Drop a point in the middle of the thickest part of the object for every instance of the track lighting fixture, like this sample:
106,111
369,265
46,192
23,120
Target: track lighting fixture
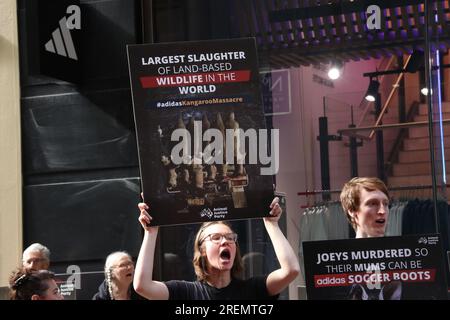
415,62
372,90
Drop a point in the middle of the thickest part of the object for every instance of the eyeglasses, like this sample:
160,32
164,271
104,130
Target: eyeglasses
124,265
218,237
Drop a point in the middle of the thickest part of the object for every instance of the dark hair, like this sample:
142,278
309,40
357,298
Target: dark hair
199,261
24,284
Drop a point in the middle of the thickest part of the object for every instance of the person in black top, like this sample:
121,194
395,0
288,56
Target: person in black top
217,263
119,270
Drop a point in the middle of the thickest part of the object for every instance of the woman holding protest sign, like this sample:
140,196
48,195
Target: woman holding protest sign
217,262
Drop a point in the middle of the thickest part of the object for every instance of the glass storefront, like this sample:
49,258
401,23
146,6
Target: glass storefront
79,137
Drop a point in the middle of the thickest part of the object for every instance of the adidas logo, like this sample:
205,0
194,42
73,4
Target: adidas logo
61,41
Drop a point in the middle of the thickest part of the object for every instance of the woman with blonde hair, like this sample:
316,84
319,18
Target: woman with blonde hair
119,271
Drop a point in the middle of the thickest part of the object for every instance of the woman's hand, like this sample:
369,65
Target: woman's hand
275,212
145,218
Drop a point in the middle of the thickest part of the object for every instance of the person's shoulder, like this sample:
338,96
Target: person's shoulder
182,283
135,296
255,282
254,288
102,293
254,279
184,290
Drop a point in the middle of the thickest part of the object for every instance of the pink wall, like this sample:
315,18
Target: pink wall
299,149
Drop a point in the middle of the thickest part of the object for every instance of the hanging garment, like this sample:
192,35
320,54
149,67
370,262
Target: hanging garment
326,221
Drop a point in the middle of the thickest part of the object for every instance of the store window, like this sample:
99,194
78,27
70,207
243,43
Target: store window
368,117
329,131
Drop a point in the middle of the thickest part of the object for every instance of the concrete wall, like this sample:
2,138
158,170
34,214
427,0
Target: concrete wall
10,150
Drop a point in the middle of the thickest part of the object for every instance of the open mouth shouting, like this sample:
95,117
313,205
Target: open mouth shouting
225,255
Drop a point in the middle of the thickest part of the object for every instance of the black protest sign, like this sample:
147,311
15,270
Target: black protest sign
204,151
386,268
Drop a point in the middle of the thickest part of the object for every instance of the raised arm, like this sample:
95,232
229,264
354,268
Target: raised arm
143,275
289,266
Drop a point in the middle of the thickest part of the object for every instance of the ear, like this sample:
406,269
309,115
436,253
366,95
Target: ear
35,297
201,249
391,291
354,216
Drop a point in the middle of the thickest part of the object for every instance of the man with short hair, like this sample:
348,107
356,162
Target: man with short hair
365,201
36,257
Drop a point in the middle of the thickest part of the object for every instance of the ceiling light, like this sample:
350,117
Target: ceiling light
335,70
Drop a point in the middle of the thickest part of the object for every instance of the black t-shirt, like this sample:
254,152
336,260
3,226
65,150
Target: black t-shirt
251,289
103,293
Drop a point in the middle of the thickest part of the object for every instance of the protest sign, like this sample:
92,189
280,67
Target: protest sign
385,268
204,151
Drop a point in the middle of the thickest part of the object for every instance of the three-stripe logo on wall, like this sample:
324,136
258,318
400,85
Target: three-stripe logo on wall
62,41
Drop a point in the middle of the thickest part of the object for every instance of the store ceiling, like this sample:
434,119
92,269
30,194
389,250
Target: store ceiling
302,32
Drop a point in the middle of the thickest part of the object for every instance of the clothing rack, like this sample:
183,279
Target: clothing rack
325,195
312,192
419,187
404,188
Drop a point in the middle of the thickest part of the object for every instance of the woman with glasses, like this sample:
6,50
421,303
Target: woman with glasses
28,284
119,270
217,263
